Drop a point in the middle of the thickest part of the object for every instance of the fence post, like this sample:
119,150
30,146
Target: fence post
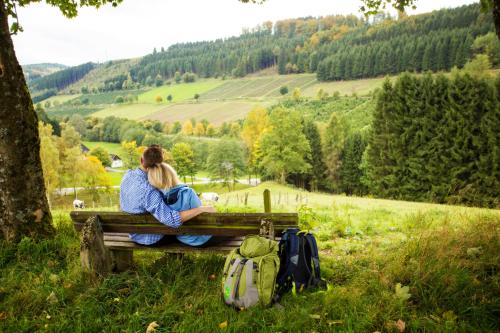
267,201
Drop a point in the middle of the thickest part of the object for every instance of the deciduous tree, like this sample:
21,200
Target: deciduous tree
284,147
183,156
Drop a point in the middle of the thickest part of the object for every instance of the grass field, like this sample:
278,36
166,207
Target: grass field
433,268
259,87
360,87
110,97
179,92
112,148
132,111
69,110
61,99
220,101
214,112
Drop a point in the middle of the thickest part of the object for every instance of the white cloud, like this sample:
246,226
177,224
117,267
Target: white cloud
135,27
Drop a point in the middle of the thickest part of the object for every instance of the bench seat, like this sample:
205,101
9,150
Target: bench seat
108,232
121,241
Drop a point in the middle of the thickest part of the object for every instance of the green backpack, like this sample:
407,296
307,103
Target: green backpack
249,276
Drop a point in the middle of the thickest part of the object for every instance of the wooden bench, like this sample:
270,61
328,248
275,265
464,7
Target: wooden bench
105,245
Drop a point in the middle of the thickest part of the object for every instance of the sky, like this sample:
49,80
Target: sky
135,27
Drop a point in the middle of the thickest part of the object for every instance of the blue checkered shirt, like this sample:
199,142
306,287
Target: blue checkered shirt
138,196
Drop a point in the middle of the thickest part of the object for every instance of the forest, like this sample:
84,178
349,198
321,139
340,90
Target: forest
334,47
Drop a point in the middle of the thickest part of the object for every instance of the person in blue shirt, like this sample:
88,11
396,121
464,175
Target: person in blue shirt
137,196
177,196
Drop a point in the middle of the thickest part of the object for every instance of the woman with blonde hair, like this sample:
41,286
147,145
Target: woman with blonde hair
177,196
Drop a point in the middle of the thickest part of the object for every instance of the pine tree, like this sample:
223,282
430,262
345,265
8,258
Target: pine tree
318,170
350,170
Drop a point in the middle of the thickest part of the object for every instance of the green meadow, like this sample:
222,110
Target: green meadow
431,268
180,92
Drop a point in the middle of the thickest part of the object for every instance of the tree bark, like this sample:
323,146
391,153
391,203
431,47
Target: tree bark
24,210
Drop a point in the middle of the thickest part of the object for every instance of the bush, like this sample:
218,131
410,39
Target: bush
119,99
284,90
189,77
158,99
102,155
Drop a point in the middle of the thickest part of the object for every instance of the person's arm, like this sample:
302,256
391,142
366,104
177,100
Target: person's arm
154,204
190,213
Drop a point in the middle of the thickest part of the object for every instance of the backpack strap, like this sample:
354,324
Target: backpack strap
238,272
316,276
289,247
293,241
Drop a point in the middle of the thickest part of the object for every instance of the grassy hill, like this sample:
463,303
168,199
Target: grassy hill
179,92
259,87
220,100
33,71
133,111
97,76
214,112
112,148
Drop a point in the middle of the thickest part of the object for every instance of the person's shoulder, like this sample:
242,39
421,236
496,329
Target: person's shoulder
135,176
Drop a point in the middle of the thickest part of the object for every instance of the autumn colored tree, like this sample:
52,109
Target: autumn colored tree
187,128
199,130
254,126
131,154
371,7
49,156
93,176
102,155
183,156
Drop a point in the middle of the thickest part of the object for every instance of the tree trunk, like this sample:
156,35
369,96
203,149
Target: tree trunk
24,210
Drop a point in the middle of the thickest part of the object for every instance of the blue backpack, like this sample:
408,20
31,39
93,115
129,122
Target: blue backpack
299,262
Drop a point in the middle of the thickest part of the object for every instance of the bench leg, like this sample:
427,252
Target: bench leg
94,256
122,259
267,229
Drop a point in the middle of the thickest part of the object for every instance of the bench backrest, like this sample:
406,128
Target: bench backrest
217,224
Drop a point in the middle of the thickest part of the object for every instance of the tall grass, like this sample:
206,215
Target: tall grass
435,270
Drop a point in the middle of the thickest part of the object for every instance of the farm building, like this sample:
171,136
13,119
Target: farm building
84,148
116,161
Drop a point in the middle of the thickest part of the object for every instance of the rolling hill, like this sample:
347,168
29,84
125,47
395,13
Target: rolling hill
34,71
220,100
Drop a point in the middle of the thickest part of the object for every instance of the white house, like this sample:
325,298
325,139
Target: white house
116,161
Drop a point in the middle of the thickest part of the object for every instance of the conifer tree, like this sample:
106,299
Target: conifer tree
350,171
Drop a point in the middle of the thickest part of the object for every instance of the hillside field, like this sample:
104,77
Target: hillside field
180,92
259,87
112,148
220,100
215,112
61,98
132,111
